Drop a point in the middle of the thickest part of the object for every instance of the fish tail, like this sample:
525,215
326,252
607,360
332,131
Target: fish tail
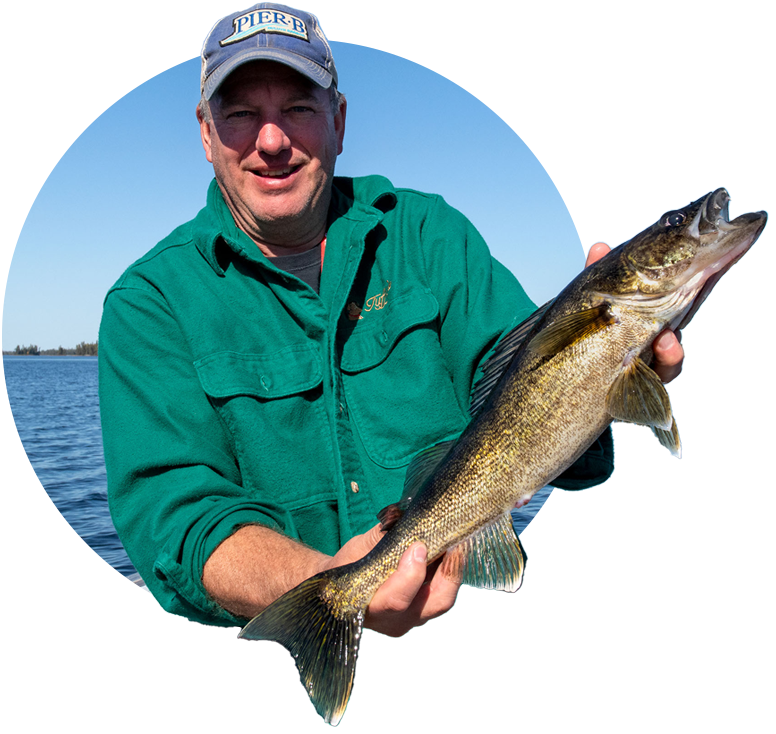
321,634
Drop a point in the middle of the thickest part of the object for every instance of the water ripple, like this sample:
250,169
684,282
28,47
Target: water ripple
56,410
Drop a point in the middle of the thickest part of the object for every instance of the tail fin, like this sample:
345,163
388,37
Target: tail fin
323,641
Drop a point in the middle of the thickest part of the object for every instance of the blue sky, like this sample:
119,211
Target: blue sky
85,196
49,253
138,171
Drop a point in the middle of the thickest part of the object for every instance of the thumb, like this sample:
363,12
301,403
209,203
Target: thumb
597,251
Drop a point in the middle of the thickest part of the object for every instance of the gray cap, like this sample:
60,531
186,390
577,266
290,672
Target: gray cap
271,32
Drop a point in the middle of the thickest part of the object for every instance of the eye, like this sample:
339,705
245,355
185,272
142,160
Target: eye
673,219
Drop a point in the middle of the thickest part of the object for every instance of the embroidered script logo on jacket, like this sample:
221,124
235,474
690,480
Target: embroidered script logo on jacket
374,303
266,21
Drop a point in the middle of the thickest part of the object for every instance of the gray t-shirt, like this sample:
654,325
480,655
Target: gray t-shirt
304,265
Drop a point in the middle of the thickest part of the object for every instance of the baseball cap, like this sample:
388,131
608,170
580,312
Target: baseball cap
267,31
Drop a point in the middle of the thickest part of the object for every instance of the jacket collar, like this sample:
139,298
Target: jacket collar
360,199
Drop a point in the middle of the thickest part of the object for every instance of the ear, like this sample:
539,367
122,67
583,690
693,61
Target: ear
205,133
339,124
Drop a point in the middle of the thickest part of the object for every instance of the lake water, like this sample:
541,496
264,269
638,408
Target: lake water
55,517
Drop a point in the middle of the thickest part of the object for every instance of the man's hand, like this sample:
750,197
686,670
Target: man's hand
410,596
666,348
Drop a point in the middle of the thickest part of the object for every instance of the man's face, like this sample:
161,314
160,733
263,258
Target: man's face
273,139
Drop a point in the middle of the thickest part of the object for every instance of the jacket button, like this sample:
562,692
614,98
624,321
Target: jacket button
354,486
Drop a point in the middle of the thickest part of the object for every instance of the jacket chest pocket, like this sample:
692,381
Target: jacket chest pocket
280,374
272,405
399,391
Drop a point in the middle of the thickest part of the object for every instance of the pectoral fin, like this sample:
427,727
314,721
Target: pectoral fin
571,328
639,396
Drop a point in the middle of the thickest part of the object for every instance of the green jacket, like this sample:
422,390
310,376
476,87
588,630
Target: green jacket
232,393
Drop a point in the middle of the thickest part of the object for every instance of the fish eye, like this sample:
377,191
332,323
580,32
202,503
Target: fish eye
673,219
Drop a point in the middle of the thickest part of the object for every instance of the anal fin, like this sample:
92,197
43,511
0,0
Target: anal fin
491,558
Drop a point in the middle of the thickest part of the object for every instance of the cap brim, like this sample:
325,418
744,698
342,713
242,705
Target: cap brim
304,66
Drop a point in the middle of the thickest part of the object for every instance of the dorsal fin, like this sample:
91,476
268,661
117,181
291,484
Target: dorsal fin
494,367
420,469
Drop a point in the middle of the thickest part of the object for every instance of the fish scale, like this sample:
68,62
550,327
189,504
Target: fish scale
550,389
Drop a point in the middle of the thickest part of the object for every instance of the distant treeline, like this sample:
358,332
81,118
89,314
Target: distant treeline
84,349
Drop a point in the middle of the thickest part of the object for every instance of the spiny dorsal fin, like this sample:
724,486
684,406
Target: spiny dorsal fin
496,365
491,558
639,396
420,469
670,439
571,328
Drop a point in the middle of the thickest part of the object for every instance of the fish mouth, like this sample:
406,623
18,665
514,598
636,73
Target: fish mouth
713,228
714,214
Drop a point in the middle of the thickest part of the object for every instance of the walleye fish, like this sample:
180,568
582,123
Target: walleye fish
549,390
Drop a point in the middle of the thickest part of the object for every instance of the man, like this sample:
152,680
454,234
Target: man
268,370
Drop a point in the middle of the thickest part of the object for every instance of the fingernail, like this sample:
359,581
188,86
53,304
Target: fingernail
420,553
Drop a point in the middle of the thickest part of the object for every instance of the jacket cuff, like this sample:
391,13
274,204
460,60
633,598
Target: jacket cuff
593,467
179,568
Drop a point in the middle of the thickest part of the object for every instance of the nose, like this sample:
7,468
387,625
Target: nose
272,139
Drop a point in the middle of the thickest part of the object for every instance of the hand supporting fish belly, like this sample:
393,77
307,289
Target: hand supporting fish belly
552,385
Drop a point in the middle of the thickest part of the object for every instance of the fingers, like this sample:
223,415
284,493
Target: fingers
400,588
431,569
668,355
436,596
388,611
371,538
407,599
357,547
596,252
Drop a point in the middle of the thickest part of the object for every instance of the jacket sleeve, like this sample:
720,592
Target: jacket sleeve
173,484
480,302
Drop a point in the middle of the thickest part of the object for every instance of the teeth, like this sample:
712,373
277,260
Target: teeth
275,174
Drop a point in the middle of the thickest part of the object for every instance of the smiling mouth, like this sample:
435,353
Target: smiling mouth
279,173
